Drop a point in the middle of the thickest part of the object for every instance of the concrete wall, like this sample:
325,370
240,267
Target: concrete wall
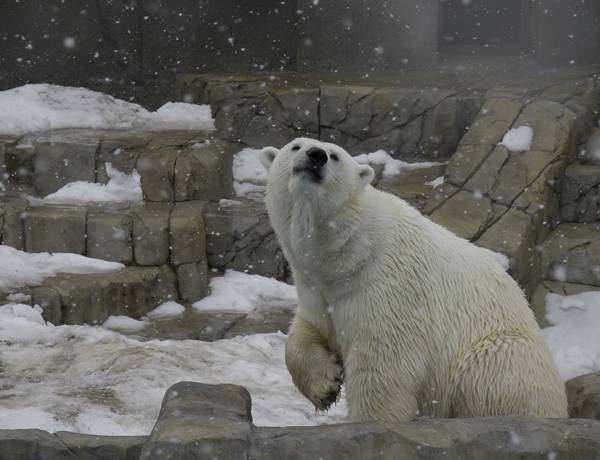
355,35
565,32
143,44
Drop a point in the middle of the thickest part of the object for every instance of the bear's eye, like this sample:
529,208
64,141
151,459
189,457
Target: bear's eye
334,157
295,148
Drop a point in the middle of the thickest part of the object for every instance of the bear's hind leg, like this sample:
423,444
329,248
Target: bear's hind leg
315,369
508,374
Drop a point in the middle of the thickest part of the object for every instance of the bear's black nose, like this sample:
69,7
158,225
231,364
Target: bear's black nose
317,156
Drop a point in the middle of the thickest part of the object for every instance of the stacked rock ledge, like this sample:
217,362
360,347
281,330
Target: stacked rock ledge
160,240
214,421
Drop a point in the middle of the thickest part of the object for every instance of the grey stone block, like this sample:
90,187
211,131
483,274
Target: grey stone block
60,160
93,447
551,125
156,169
440,131
234,116
519,172
19,162
51,303
55,228
493,121
193,281
465,214
133,291
15,209
204,171
240,237
201,421
109,234
301,107
439,196
485,178
263,131
151,233
583,394
465,162
186,233
514,235
571,253
33,444
121,149
540,202
578,180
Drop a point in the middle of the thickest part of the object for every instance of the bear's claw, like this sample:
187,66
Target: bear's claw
324,401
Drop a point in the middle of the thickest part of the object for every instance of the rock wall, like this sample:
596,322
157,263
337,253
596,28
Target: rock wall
215,421
538,206
361,117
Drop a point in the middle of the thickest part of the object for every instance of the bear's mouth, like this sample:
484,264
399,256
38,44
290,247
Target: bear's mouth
312,174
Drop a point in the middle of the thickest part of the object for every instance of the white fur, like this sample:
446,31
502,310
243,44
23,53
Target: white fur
416,320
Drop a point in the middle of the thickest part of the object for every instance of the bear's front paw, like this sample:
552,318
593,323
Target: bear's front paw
324,387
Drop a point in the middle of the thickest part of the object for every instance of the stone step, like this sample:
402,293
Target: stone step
571,254
173,165
134,234
69,298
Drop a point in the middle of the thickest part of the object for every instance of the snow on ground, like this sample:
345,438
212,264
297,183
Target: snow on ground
92,380
41,107
518,139
120,187
251,294
167,309
573,337
18,268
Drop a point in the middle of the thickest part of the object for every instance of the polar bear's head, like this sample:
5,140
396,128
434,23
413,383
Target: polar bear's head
319,167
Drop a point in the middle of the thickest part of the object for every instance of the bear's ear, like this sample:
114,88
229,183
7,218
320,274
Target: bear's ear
365,174
267,155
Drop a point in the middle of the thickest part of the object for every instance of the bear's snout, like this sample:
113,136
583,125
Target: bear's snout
318,157
310,165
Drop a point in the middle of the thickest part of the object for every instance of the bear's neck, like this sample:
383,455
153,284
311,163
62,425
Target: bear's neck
330,242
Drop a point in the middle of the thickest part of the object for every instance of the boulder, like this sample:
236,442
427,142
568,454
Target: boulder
201,421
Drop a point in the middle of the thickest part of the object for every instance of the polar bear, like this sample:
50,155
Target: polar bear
413,319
